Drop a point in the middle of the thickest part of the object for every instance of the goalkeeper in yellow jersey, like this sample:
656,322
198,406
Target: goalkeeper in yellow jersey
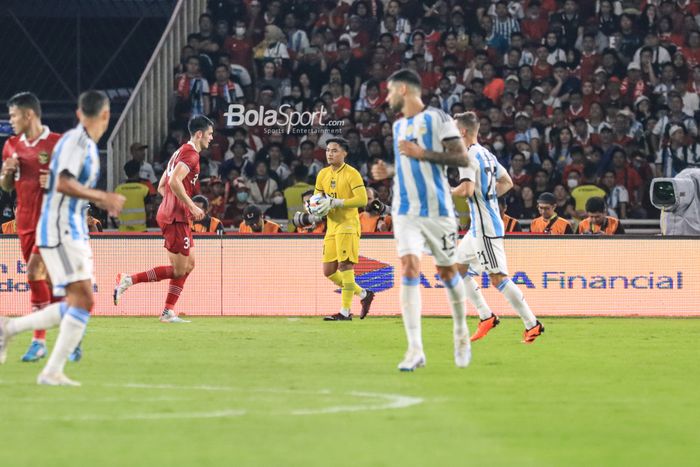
344,192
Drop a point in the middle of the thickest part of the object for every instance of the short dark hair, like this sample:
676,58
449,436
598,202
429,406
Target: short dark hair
132,168
342,142
199,123
92,102
25,100
595,205
201,199
406,76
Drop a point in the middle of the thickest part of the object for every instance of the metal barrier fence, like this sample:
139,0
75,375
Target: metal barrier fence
147,113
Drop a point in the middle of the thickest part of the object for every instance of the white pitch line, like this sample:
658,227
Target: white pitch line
393,401
384,401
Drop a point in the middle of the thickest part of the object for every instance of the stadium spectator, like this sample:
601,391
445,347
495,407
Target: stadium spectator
617,198
237,203
133,216
208,223
192,90
585,188
676,154
254,222
10,227
549,222
510,223
262,186
374,218
138,154
597,222
278,210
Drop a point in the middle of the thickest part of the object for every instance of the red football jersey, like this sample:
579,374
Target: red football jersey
172,209
33,156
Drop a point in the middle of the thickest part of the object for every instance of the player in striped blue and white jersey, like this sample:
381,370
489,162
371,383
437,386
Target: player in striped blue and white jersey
63,218
425,141
482,182
62,237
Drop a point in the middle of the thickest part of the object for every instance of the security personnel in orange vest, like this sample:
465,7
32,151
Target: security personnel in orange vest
253,222
373,219
597,223
9,227
549,222
208,223
510,223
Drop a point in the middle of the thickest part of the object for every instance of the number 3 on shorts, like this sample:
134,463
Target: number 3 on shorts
187,243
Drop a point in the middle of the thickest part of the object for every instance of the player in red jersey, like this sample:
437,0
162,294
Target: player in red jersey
25,167
177,186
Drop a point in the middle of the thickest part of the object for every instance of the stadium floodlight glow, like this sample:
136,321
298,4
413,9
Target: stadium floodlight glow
679,201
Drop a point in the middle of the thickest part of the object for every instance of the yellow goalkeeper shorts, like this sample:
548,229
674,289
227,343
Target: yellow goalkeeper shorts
341,247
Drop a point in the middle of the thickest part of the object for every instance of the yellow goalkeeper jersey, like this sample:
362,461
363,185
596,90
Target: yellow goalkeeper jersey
341,184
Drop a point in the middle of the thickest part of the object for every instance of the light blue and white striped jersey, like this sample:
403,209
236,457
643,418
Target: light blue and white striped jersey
421,187
484,169
64,218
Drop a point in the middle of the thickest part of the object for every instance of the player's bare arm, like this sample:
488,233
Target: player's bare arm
7,177
381,170
503,184
161,184
179,173
464,189
455,153
69,186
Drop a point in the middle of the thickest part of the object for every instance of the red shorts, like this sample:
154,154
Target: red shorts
178,237
28,244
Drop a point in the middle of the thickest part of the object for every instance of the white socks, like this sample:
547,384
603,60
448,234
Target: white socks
411,311
70,333
345,312
517,300
455,295
46,318
476,298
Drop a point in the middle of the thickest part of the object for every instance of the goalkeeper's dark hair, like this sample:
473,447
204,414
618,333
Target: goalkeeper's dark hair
406,76
342,142
199,123
27,101
92,102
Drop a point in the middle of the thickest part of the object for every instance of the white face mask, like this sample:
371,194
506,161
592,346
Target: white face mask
452,78
498,146
526,154
572,183
278,200
240,31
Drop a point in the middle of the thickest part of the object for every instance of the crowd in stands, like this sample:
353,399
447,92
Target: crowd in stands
578,99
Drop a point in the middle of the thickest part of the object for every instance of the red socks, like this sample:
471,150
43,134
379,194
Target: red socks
156,274
40,296
174,291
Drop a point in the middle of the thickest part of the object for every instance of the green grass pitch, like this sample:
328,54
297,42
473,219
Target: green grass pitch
302,392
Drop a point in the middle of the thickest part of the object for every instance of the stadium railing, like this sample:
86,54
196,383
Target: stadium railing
146,115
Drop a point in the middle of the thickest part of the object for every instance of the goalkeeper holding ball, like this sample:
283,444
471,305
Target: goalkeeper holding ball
341,191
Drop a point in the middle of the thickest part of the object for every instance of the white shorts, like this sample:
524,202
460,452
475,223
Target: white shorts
483,254
67,263
438,235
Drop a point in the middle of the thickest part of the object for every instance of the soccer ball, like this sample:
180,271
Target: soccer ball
317,204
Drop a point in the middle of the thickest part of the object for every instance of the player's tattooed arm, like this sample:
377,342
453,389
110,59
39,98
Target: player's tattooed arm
455,153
